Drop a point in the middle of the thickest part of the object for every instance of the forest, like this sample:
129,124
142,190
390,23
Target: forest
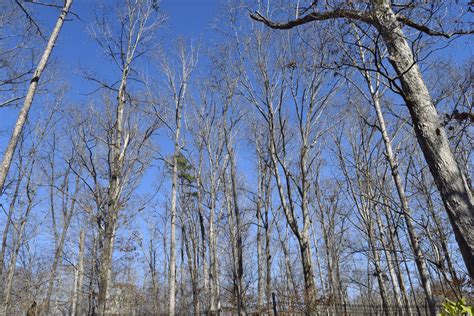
236,157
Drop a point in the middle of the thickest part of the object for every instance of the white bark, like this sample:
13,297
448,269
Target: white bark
79,276
457,197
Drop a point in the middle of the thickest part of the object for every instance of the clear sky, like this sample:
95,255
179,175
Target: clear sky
77,50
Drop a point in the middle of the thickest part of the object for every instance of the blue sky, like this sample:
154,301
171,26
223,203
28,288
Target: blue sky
76,49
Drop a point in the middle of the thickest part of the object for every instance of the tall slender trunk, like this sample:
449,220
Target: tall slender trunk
237,230
179,98
261,270
8,221
290,276
117,150
203,252
214,306
56,260
172,264
413,236
388,257
68,212
239,245
268,263
378,271
13,259
264,256
304,240
392,227
23,115
77,295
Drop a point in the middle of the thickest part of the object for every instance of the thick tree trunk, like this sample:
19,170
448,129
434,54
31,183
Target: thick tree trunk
105,268
23,115
308,275
455,192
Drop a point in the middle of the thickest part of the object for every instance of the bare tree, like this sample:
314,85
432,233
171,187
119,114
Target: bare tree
389,21
23,115
65,185
136,24
77,300
177,86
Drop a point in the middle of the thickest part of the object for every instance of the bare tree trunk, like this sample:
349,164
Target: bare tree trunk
261,270
203,252
57,257
67,212
179,95
388,257
414,240
17,244
268,261
174,188
214,305
12,267
8,221
77,295
263,222
23,115
239,269
392,234
117,151
378,270
289,270
455,192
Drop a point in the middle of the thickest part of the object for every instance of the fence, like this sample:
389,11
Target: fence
334,310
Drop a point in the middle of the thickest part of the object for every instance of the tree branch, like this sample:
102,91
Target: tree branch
353,15
314,16
30,18
427,30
